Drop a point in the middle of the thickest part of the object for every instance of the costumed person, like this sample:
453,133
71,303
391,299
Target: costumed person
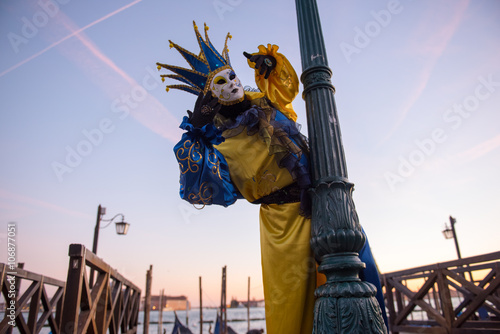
242,144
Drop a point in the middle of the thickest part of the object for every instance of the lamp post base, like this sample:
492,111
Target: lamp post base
344,304
347,315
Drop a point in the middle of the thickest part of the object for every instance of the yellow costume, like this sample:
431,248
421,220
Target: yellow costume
258,154
249,158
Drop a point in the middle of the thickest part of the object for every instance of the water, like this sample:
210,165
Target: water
237,320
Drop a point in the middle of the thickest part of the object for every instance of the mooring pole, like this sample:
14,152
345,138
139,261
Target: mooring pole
248,306
344,304
147,299
223,303
201,310
160,311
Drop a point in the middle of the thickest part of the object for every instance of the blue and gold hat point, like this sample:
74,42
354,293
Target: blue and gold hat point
203,66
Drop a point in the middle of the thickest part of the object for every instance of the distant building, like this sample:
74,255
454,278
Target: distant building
170,303
253,303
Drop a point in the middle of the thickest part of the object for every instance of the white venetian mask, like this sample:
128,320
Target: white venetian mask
226,86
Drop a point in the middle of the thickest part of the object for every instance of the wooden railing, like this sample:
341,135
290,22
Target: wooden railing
111,304
461,296
34,299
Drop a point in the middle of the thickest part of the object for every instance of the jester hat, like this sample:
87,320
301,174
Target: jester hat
203,66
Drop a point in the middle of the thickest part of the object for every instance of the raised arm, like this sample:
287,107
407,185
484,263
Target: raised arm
275,77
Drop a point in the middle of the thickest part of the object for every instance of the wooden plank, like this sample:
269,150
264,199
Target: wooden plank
53,281
482,324
115,274
125,306
96,263
471,290
132,312
113,297
73,295
446,304
390,303
21,325
136,302
469,286
456,263
23,301
114,325
415,329
47,314
35,307
87,322
478,289
495,299
399,300
478,301
59,308
100,302
474,331
417,299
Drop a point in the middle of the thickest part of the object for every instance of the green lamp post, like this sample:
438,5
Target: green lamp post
344,304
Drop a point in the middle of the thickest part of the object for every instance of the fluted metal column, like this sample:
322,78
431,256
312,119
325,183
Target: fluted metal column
344,304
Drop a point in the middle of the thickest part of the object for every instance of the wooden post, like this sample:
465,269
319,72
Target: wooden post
201,311
73,296
223,304
113,301
187,313
147,299
248,305
160,312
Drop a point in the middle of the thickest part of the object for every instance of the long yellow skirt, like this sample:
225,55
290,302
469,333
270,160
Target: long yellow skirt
288,269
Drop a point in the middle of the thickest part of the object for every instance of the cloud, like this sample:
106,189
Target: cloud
480,150
20,201
113,80
432,47
116,83
74,33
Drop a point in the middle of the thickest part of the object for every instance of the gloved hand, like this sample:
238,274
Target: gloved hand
262,63
205,108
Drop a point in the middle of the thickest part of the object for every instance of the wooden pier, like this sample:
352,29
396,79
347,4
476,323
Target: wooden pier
111,305
34,299
461,296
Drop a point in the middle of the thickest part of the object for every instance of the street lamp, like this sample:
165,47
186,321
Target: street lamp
449,233
121,229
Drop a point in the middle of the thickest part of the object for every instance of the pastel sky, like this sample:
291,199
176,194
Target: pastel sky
85,120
